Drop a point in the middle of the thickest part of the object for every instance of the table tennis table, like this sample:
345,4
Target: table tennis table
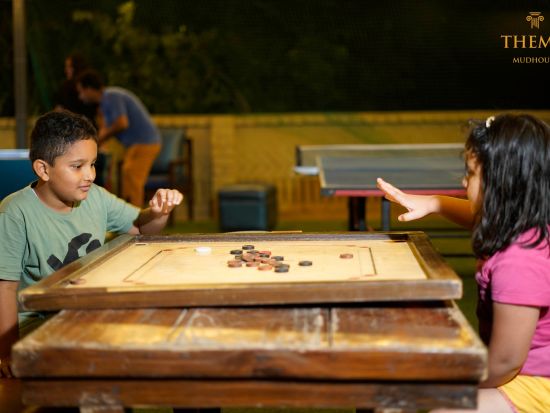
351,171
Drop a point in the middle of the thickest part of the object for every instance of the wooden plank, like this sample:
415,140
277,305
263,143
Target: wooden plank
249,393
434,264
375,343
440,282
412,343
10,396
102,409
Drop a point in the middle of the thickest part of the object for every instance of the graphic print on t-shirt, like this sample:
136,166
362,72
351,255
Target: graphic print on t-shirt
72,250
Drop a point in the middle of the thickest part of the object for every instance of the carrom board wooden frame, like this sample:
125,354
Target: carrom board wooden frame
54,292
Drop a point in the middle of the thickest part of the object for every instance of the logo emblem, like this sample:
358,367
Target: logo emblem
535,17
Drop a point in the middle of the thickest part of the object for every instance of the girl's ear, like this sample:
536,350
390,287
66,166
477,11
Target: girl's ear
42,169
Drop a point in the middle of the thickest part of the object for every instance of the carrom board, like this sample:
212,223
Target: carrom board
192,270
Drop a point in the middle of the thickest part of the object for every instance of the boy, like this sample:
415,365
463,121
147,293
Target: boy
61,217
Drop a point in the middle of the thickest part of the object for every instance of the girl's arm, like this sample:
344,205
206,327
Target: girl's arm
456,210
511,335
9,332
153,219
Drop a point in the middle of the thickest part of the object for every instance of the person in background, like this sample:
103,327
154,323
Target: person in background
508,208
67,97
61,217
125,117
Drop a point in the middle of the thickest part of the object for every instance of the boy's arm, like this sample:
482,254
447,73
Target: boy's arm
511,335
9,330
153,219
456,210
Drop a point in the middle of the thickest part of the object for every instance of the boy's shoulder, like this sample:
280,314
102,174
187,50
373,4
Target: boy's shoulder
100,198
18,200
99,194
26,201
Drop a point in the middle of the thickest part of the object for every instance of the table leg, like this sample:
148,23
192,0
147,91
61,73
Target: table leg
385,214
357,210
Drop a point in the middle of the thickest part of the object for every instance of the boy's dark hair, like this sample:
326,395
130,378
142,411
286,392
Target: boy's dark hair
90,79
55,131
514,155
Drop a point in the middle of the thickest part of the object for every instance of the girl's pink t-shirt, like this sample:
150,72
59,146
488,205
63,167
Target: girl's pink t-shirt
519,276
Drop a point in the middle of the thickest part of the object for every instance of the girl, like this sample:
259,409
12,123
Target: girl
508,208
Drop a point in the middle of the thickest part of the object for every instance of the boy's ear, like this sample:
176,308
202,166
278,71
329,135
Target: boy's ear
42,169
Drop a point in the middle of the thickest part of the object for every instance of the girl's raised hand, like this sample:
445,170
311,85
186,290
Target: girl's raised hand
418,205
165,200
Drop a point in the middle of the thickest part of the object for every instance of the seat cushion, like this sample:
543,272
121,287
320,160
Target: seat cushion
171,144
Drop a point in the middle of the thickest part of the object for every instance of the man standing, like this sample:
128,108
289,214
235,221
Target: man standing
126,118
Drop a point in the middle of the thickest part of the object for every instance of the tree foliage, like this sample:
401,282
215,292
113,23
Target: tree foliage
234,56
175,71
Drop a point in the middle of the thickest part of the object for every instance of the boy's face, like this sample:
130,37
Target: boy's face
72,174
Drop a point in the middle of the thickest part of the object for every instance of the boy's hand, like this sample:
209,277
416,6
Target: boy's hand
418,205
165,200
5,368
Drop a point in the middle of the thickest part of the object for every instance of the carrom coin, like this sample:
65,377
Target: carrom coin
265,267
346,255
203,250
234,263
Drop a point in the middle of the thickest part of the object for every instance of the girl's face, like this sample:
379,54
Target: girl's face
472,182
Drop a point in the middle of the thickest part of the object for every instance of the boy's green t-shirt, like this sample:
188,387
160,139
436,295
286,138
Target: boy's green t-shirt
35,240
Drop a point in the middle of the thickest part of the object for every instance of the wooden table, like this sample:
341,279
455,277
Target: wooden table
380,334
408,356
